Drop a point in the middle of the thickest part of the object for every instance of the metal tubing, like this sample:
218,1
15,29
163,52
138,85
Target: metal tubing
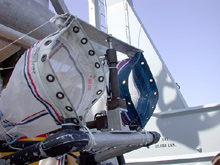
69,140
102,140
60,6
116,139
97,14
114,152
115,101
25,156
112,58
62,142
12,35
26,15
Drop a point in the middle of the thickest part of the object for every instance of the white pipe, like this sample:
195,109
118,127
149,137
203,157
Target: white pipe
12,35
94,13
25,16
97,14
108,139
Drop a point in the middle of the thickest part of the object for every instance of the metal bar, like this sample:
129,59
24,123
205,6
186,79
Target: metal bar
101,38
123,143
114,139
59,6
113,76
97,14
26,15
187,111
101,3
70,140
115,101
23,12
11,35
6,49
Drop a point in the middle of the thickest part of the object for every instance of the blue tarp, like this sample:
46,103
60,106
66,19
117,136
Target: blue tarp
145,84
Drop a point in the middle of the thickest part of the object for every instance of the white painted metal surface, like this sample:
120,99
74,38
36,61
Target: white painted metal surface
125,25
95,18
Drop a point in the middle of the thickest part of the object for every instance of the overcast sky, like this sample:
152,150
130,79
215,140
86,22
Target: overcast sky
186,33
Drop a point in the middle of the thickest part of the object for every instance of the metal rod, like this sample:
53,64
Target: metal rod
97,14
108,139
12,35
115,101
112,58
60,6
26,15
114,152
69,140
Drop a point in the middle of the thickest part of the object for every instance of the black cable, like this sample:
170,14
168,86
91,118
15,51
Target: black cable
74,156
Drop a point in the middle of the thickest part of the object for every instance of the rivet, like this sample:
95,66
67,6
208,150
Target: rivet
76,29
99,92
151,80
97,65
101,78
123,82
91,52
199,149
75,121
60,95
50,78
142,63
84,40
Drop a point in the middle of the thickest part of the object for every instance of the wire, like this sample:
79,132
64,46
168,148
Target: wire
6,68
93,143
24,36
5,132
12,138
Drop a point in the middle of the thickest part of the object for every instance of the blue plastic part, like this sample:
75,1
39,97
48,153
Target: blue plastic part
145,84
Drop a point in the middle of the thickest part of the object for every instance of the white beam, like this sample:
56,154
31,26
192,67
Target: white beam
94,13
8,51
60,6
